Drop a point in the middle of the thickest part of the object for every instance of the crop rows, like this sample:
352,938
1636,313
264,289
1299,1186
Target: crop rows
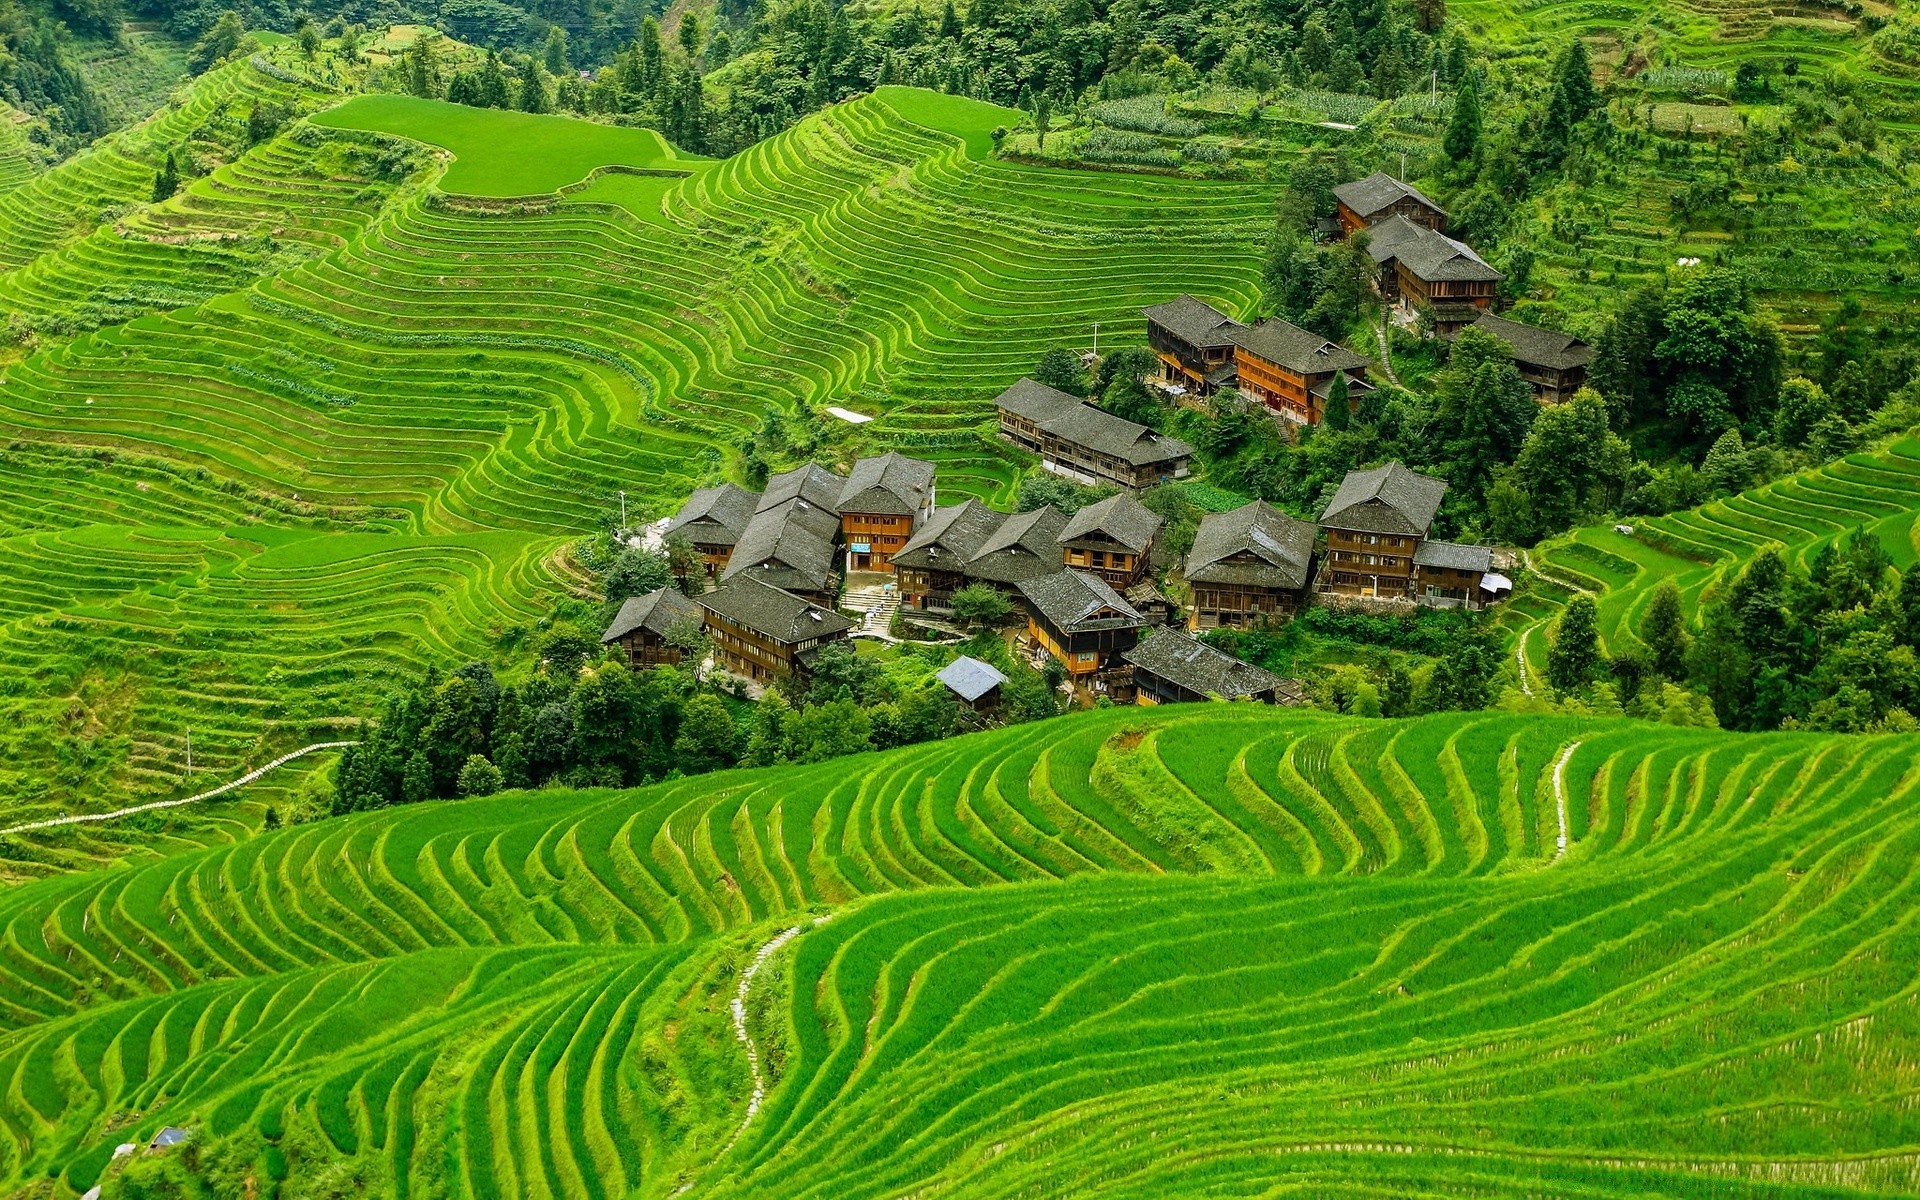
1200,952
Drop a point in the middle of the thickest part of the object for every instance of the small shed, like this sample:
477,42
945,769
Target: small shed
172,1135
976,683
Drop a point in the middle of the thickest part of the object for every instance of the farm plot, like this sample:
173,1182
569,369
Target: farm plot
388,358
1119,955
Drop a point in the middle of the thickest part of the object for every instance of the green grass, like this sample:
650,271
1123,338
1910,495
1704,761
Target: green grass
1219,950
499,153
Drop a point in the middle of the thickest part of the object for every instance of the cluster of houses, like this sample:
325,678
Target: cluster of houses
1084,582
1294,372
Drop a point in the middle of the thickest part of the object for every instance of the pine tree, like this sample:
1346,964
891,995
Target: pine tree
167,182
1462,141
493,84
1339,414
555,56
950,23
1574,655
533,90
1042,117
1664,630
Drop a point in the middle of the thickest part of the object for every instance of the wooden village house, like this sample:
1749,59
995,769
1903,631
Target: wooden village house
1194,342
641,626
1450,575
1424,270
1086,625
974,683
884,500
1026,546
759,631
931,566
1112,538
1248,565
789,543
712,521
1374,525
1365,203
1292,371
1086,444
1171,667
1554,364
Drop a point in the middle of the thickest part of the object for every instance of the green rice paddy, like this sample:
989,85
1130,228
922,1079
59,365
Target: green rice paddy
1224,950
497,153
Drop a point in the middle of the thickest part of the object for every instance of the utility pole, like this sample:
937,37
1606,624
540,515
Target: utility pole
1096,339
1433,90
1403,166
189,752
623,510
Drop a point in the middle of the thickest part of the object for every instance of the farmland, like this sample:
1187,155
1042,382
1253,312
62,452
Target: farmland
1217,951
319,419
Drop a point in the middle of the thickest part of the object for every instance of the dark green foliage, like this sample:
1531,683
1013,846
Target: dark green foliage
167,180
981,604
1664,630
1570,469
1123,391
39,74
1462,141
1060,368
1573,655
221,41
1482,413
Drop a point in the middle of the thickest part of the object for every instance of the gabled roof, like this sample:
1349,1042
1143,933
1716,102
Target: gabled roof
1534,345
172,1135
655,612
948,538
1198,667
1026,545
1378,191
969,678
1035,401
1120,517
784,547
1074,420
1194,322
890,484
1071,602
768,611
715,516
1454,555
1435,257
1389,499
1385,239
812,483
1298,350
1255,545
1097,429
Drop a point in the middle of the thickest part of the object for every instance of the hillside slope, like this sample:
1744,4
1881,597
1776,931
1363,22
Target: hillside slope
1212,951
239,512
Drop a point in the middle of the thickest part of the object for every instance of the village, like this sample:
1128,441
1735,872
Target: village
1093,590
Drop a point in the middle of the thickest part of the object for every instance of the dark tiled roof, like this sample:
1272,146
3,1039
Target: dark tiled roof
715,516
891,484
1437,258
784,547
812,483
1100,430
1377,191
1385,239
1194,322
948,538
1070,600
1389,499
1035,401
1198,667
1255,545
1532,344
1025,546
1296,349
655,612
768,611
1120,517
969,678
1452,554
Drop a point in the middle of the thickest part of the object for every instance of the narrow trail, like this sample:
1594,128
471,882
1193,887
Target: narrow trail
1386,355
249,777
1560,798
1520,660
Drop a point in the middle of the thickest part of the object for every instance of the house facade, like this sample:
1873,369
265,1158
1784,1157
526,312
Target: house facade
641,626
1374,526
1083,443
1449,575
1082,622
1424,270
712,521
1249,565
1194,342
1171,667
1292,371
1113,538
882,503
1367,202
759,631
1554,364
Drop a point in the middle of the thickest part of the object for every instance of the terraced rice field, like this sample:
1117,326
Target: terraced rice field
1217,951
1879,492
304,351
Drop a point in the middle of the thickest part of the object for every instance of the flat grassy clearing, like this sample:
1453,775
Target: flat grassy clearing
1209,950
500,153
972,121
